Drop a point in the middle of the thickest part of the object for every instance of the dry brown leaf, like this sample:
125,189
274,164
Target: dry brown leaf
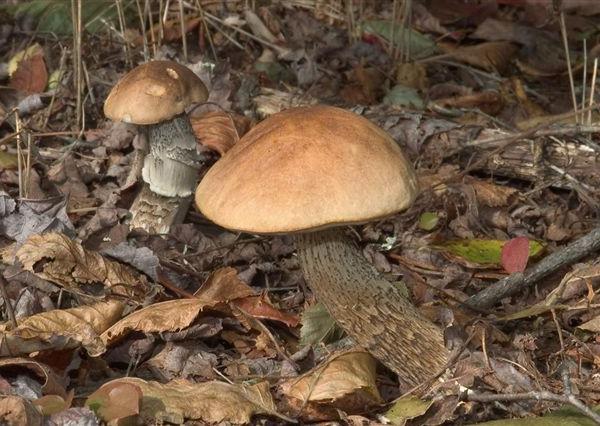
490,56
211,402
27,70
15,410
172,315
261,307
62,329
488,101
223,285
345,382
57,258
412,75
490,194
171,30
51,383
219,130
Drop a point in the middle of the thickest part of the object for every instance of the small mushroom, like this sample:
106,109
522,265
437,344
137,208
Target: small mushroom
310,171
154,96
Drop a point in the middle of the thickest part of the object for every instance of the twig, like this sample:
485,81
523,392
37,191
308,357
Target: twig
535,396
9,308
563,31
592,90
183,36
549,264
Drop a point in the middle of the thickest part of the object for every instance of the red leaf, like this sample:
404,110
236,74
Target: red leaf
31,75
515,254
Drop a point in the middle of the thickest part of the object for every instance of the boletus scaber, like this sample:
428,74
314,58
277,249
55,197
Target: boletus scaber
311,171
154,96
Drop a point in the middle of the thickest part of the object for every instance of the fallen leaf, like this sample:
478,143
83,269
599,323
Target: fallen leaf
15,410
27,70
490,56
344,382
62,329
116,401
479,252
51,404
318,326
515,254
490,194
171,30
403,96
419,45
219,130
8,161
261,307
210,402
57,258
172,315
51,383
223,286
428,221
406,409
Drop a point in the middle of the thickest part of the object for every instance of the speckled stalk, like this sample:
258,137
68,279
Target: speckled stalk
171,167
370,308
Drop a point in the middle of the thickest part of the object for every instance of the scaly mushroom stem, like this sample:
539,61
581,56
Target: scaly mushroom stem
171,167
370,308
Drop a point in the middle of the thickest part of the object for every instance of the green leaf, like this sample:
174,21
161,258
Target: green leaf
428,221
318,326
55,16
420,46
8,161
405,97
406,409
484,252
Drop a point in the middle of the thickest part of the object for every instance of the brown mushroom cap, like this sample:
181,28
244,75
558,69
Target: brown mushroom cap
153,92
305,169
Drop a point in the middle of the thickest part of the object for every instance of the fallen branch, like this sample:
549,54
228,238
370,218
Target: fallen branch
520,280
566,398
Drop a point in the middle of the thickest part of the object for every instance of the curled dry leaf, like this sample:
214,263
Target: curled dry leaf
172,315
224,285
56,258
62,329
211,402
344,382
51,383
219,130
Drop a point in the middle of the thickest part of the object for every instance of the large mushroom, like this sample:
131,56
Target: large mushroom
154,96
310,171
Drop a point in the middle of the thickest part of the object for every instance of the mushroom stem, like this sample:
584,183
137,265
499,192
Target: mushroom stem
370,308
171,167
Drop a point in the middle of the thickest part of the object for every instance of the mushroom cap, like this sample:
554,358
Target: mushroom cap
305,169
153,92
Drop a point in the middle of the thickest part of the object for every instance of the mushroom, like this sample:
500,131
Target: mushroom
154,96
310,171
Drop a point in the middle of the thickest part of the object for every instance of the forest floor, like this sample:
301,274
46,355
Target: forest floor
493,102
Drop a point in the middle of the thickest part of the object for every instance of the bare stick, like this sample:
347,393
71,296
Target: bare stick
592,90
520,280
584,83
121,17
143,28
182,23
563,31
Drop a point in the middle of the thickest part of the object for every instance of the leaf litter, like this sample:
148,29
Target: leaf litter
216,326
